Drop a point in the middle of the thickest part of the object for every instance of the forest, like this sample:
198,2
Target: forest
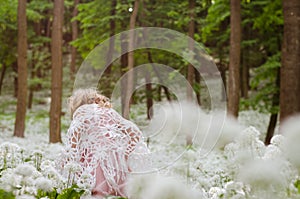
214,85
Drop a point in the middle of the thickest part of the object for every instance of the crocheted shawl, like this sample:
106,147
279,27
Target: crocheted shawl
97,137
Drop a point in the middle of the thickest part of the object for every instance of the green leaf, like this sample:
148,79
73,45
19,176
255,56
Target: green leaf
71,193
6,195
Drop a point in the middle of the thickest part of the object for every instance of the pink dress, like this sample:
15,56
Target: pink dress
107,148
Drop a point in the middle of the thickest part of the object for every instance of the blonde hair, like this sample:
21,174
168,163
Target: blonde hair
87,96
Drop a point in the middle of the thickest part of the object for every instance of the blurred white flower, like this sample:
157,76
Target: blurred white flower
277,140
30,190
219,130
263,174
25,196
272,152
216,192
25,170
291,130
44,184
174,121
248,136
84,182
73,167
9,180
156,186
234,189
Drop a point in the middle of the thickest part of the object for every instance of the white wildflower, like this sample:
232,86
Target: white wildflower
27,181
231,149
8,146
277,140
11,180
154,186
248,136
272,152
25,196
291,129
263,174
46,164
25,170
215,192
234,188
191,154
172,121
222,130
44,184
73,167
37,152
30,190
85,181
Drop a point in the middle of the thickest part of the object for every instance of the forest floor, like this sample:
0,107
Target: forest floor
240,166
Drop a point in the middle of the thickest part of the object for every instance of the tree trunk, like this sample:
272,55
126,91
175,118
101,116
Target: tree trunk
74,25
32,88
124,63
110,52
245,76
130,81
2,77
166,90
222,67
22,70
15,69
149,55
290,60
234,58
273,117
190,69
149,95
224,82
198,81
56,77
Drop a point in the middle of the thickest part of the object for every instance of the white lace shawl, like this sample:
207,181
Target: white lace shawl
101,137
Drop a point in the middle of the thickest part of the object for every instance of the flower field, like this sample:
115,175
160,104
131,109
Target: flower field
238,165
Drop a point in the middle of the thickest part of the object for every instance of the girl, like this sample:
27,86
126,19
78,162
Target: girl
105,145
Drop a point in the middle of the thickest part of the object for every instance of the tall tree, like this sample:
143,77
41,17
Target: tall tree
190,69
130,80
56,77
290,59
107,73
22,70
74,37
234,58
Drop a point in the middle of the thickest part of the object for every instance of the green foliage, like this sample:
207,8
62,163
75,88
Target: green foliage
264,85
297,185
217,18
6,195
8,14
51,195
8,31
94,25
71,193
269,24
262,49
